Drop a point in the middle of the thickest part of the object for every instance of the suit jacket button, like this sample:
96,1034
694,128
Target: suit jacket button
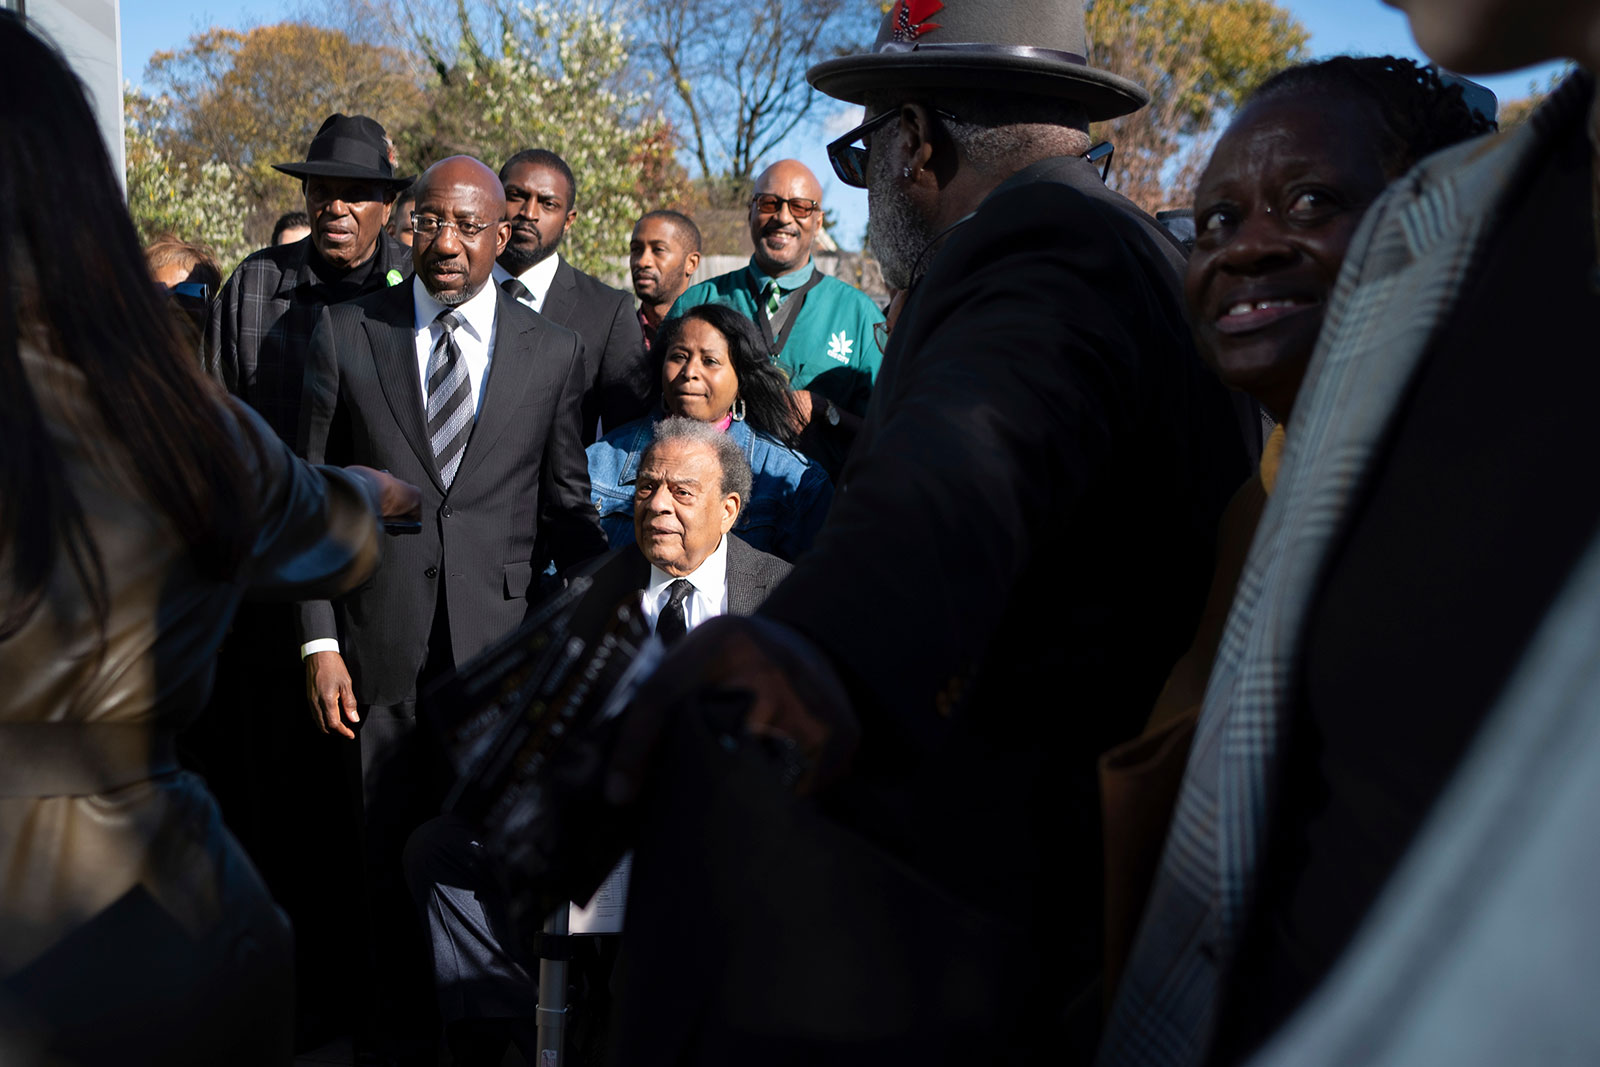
446,511
431,572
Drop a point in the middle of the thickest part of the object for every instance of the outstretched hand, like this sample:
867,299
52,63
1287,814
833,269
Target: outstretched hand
396,499
795,695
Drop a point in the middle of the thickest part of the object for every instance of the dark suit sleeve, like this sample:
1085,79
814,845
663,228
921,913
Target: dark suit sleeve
625,386
318,409
569,529
1016,374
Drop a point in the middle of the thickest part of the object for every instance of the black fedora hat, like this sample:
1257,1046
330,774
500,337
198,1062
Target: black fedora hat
347,146
1032,47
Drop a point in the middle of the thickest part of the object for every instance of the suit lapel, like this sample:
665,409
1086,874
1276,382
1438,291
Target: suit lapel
746,590
561,298
509,374
392,336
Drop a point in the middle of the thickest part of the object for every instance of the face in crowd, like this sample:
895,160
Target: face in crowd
661,260
785,213
1274,213
346,214
459,229
698,380
897,230
400,218
539,204
680,512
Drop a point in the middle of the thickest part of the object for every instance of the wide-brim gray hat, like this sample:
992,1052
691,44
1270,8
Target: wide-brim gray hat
1027,47
348,146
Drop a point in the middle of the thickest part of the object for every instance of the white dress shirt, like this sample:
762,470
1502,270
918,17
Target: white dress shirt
475,338
537,278
710,596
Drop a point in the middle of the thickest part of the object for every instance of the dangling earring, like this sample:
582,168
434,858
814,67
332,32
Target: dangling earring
738,409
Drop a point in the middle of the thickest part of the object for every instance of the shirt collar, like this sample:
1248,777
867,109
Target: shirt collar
391,258
477,314
710,579
787,282
538,278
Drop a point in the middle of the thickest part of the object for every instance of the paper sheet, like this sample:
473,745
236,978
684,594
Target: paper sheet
604,913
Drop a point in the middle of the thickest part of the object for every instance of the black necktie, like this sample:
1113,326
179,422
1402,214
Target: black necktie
674,621
449,399
518,291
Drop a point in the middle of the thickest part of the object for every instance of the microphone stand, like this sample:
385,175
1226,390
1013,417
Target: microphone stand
551,1014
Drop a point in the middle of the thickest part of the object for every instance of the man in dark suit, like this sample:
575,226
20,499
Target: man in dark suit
448,383
541,203
1020,549
274,779
684,567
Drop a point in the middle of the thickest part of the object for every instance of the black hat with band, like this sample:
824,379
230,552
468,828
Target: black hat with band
348,146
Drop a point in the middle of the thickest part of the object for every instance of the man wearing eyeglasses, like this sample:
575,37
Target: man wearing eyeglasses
817,328
450,382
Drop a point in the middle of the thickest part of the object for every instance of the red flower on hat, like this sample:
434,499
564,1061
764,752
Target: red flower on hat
911,18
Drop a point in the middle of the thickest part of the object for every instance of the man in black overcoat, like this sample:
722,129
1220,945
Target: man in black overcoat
1018,553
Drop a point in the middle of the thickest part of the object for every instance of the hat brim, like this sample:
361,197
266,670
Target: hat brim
854,78
328,168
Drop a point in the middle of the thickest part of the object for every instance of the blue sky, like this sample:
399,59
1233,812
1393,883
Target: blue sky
1360,26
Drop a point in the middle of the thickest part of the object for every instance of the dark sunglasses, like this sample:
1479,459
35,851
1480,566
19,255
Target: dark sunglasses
1100,156
850,160
192,290
800,207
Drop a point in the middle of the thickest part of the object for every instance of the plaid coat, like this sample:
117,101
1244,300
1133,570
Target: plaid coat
259,327
1405,269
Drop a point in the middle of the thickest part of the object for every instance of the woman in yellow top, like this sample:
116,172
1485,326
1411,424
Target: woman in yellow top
138,506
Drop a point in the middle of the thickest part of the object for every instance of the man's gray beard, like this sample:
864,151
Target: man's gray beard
455,300
895,231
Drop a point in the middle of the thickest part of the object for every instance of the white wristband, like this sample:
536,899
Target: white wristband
321,644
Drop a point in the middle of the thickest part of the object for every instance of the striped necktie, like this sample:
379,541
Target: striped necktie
450,409
773,297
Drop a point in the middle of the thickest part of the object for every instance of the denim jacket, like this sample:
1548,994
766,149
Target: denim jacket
789,494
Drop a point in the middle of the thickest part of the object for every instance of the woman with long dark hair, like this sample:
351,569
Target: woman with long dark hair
714,368
138,506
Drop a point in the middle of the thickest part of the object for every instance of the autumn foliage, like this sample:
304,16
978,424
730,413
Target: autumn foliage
1197,58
